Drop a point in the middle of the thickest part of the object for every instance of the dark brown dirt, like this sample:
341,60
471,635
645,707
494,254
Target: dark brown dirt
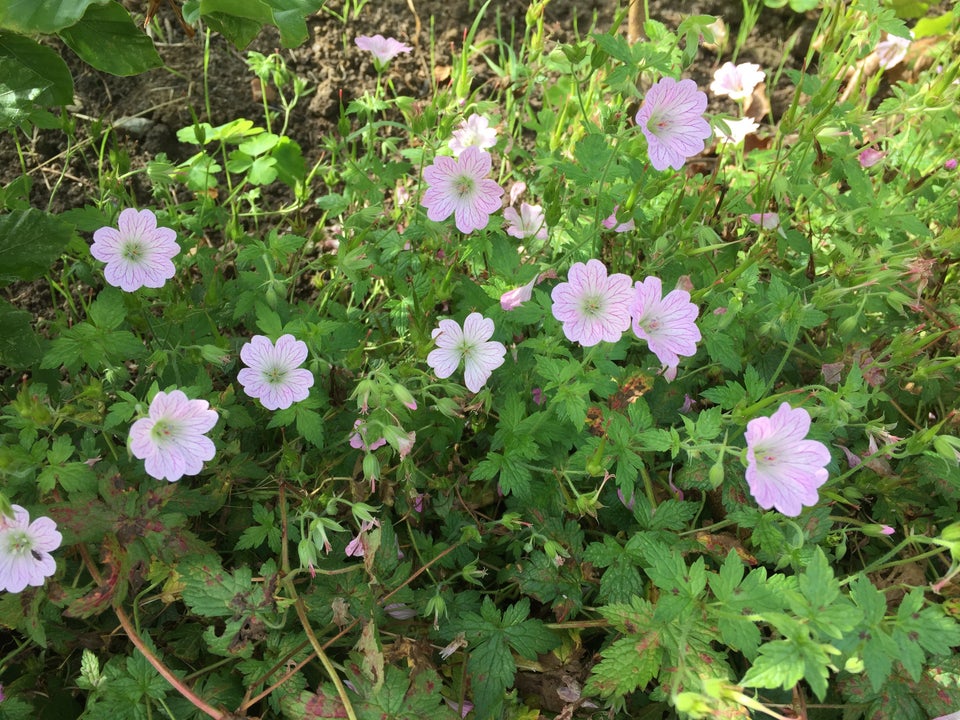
162,101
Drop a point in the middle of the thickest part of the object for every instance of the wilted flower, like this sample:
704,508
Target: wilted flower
892,50
472,344
25,549
739,129
610,223
359,441
784,470
767,220
274,375
671,118
668,324
529,222
461,188
171,440
512,299
137,253
736,81
476,132
591,305
357,546
869,157
383,49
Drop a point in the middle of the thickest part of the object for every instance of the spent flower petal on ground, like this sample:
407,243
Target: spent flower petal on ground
476,132
460,187
784,469
273,374
25,549
383,49
736,81
671,118
529,222
668,324
591,305
172,438
471,344
137,252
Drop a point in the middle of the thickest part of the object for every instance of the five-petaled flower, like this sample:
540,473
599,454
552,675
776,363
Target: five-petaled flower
383,49
137,252
784,469
591,305
274,375
171,439
472,344
668,324
671,117
736,81
460,187
475,131
25,549
529,222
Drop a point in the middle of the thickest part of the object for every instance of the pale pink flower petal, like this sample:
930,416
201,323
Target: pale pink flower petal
358,440
785,470
668,324
529,222
592,306
383,49
767,220
512,299
736,81
460,188
171,439
137,253
274,375
671,118
472,344
476,132
25,549
892,50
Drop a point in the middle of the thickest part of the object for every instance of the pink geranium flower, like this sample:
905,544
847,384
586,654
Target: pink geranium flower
171,439
668,324
767,220
892,50
383,49
471,344
274,375
592,306
476,132
736,81
25,549
461,188
784,470
512,299
529,222
869,157
137,253
671,117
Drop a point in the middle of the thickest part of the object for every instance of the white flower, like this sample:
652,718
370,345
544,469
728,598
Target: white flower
274,375
25,549
529,222
472,344
475,131
737,81
171,440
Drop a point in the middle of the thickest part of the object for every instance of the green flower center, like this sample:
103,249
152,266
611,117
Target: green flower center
19,543
133,250
275,375
464,186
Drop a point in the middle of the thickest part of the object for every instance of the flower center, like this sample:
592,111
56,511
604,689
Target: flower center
133,250
463,186
163,432
592,305
275,374
658,123
19,543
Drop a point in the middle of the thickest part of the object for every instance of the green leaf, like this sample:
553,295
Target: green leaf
42,16
19,344
778,665
107,312
42,62
627,665
30,242
108,39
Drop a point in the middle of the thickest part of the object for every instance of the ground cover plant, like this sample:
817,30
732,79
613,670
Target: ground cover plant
592,390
